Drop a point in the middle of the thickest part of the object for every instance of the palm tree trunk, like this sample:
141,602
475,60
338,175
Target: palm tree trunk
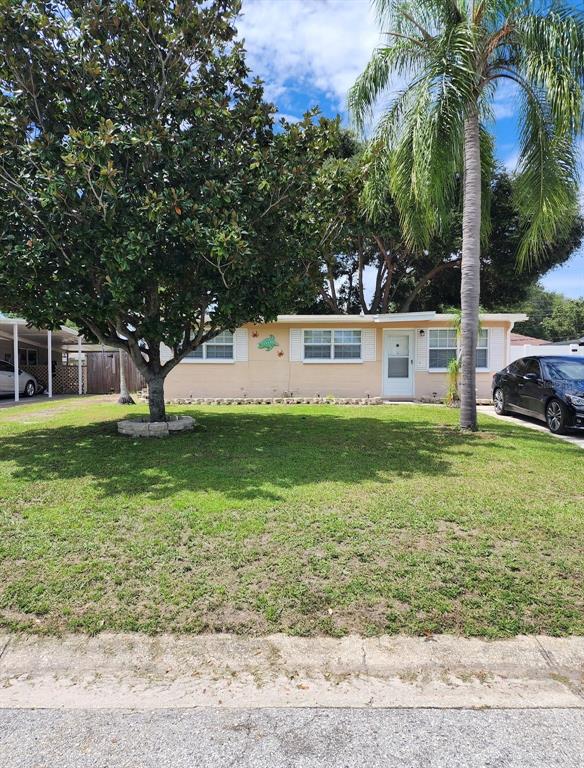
125,398
470,270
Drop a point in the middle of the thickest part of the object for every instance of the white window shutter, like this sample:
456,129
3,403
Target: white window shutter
241,345
496,348
295,345
165,353
422,351
368,346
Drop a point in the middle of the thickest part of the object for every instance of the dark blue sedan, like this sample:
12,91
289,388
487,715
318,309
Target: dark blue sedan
548,388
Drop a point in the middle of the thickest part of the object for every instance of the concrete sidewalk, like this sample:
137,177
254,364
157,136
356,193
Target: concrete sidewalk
224,671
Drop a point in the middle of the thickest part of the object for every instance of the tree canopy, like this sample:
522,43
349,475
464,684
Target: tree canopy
367,266
145,194
552,316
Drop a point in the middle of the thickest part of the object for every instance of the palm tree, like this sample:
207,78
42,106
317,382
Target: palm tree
452,55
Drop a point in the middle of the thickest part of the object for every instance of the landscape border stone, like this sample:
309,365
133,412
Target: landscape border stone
294,401
141,427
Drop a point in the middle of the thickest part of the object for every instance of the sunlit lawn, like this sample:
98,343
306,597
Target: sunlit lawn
301,519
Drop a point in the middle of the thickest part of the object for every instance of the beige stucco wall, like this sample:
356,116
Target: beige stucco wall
431,386
272,374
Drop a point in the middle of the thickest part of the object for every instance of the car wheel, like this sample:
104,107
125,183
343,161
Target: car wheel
30,389
556,417
499,400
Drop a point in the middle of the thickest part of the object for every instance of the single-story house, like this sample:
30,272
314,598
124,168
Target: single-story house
396,356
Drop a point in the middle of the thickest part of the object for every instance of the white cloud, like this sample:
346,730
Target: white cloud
505,101
511,161
309,44
287,117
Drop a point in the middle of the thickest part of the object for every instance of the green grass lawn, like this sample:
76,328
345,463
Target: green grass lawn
302,519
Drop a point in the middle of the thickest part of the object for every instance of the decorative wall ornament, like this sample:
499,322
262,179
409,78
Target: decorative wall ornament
268,343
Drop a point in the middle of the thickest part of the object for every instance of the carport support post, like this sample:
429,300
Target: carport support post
79,369
49,363
15,361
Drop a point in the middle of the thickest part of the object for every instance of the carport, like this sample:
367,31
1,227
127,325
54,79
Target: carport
40,352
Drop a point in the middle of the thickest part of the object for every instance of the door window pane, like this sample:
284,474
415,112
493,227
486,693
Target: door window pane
532,366
398,367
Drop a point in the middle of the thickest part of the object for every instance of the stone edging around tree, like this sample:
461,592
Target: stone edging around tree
144,428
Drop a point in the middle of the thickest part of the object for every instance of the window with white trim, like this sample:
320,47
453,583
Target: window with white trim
442,348
483,348
342,344
219,347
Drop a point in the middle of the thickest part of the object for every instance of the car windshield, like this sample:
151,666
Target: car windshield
568,370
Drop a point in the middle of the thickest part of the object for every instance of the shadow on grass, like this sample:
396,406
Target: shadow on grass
242,455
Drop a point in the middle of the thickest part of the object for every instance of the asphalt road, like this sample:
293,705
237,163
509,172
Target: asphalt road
303,738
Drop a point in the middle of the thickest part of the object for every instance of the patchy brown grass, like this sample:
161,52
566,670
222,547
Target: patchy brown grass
306,520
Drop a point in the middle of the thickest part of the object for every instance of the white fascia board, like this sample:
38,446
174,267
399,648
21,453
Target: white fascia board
324,319
404,317
511,317
393,317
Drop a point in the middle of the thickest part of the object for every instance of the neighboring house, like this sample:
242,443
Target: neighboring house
520,340
396,356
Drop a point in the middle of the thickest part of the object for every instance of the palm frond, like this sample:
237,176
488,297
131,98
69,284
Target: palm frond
551,58
397,60
546,184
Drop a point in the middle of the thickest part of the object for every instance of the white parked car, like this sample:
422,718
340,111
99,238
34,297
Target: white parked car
28,385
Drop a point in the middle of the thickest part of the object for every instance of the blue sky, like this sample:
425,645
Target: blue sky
309,52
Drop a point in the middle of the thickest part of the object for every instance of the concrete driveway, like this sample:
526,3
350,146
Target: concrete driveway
576,436
7,401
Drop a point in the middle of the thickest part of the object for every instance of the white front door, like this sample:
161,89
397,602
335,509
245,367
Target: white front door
398,363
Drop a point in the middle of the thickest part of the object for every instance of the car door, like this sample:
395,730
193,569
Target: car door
529,387
6,378
511,383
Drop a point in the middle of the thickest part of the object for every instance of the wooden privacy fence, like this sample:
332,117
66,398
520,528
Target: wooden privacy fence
103,373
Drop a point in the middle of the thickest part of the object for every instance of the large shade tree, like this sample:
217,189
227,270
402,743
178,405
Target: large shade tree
446,59
367,266
145,194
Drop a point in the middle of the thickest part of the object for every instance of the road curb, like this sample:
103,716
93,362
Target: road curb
130,671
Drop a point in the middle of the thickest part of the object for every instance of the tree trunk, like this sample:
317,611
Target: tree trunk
470,270
156,398
125,398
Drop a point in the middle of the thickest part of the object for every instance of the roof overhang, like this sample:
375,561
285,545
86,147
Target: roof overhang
395,317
